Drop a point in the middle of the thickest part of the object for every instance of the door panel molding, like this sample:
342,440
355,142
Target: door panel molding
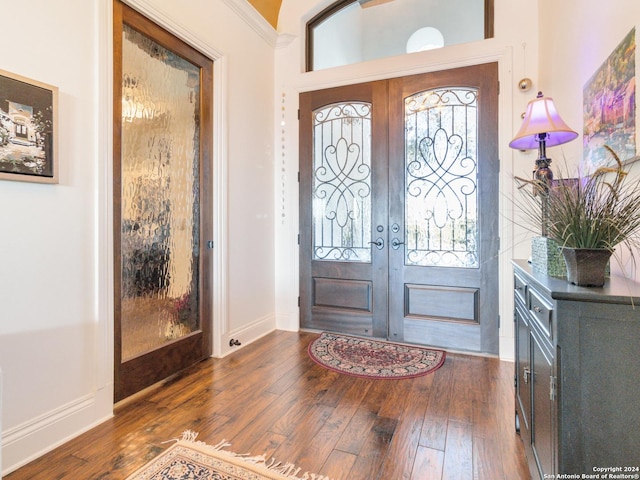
435,302
345,294
434,332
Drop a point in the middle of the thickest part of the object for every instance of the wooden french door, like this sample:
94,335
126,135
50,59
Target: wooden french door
162,202
399,209
343,187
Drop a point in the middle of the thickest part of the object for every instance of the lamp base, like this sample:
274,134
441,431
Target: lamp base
546,257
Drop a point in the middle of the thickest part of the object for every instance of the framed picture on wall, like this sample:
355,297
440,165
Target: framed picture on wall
28,129
609,98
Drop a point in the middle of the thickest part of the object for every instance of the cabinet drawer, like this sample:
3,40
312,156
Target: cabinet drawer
541,311
520,289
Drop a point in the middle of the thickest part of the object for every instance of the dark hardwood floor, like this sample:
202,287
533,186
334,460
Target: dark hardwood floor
269,397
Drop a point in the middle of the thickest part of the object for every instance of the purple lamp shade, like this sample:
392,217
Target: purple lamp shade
542,117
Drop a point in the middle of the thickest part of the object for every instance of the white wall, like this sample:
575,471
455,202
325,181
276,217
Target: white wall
55,377
56,319
512,31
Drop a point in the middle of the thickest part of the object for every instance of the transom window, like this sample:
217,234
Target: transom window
353,31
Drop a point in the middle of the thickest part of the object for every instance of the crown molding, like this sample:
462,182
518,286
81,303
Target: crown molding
251,17
284,40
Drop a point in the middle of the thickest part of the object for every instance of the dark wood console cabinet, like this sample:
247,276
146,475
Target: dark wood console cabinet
577,374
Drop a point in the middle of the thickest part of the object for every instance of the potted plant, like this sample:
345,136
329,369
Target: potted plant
587,217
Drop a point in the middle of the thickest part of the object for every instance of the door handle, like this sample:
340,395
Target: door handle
379,243
395,243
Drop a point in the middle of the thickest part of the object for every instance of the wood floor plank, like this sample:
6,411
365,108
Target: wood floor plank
374,450
458,454
295,448
299,408
242,419
428,464
325,441
339,464
270,398
440,398
355,433
487,459
434,433
378,394
462,388
400,459
396,400
264,422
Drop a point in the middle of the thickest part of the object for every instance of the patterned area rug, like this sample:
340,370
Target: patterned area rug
364,357
189,459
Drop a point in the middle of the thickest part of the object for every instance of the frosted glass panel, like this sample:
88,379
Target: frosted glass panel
441,170
160,197
342,182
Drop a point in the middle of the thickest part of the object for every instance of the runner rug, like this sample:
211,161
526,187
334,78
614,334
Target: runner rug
364,357
188,459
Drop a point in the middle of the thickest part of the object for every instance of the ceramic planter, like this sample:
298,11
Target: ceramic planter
586,267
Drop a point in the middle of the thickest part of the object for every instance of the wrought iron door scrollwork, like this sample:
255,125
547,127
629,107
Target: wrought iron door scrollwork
342,182
441,178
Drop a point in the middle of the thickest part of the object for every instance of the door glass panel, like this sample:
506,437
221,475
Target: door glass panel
160,196
441,193
342,182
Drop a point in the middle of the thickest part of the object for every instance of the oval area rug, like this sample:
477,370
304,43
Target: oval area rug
369,358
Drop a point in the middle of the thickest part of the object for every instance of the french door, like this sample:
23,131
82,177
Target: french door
399,209
162,203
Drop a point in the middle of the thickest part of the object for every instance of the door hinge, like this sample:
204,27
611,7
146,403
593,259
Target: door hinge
499,321
298,114
298,301
298,239
210,244
298,177
552,388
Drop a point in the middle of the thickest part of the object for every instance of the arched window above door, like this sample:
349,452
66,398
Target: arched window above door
353,31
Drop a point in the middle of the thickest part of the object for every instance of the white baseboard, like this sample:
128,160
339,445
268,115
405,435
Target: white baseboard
289,322
26,442
247,334
507,348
